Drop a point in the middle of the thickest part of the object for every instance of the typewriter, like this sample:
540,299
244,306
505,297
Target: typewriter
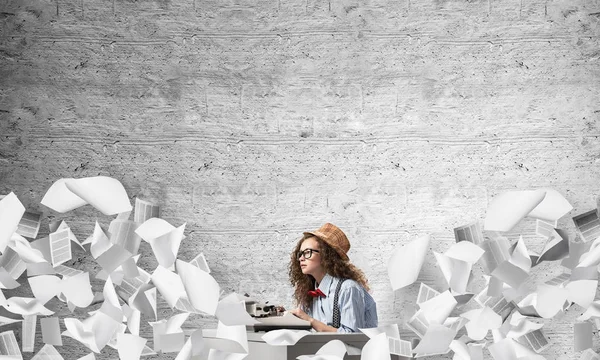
273,317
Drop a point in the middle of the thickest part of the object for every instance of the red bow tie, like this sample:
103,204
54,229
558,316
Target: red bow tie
315,293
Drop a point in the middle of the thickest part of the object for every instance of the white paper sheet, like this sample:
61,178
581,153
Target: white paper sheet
51,331
168,284
496,252
589,354
201,288
553,207
507,209
130,346
470,232
11,211
406,261
122,232
377,348
104,193
418,323
9,348
588,225
436,341
200,262
26,306
480,321
6,281
426,293
232,311
437,309
60,247
28,332
29,225
145,210
536,340
583,336
550,300
332,350
285,337
47,352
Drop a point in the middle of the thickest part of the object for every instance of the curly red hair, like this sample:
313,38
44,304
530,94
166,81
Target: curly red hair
333,264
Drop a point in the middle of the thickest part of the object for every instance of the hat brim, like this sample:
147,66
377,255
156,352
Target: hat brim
337,249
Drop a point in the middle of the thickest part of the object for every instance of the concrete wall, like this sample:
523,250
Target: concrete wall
253,121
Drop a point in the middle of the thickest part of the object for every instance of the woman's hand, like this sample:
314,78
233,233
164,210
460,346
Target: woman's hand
301,314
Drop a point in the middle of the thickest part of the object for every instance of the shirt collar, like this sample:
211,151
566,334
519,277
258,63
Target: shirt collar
325,283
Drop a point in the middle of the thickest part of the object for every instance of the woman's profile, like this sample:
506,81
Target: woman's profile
332,293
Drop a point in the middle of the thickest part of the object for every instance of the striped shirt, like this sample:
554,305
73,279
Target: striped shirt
357,307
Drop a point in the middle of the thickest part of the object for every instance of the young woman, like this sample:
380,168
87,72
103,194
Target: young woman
330,291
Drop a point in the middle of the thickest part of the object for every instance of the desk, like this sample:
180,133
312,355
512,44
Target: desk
308,345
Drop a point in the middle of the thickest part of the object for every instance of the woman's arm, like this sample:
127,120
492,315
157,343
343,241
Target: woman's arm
316,324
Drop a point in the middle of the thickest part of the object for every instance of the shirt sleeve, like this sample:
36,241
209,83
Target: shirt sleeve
352,310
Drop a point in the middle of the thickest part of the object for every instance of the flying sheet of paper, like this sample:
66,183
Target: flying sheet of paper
201,288
47,352
465,251
60,247
406,261
51,331
588,225
12,263
168,284
507,209
122,232
77,289
550,300
200,262
576,249
130,346
166,247
418,323
26,306
391,330
426,293
455,323
592,256
545,228
29,226
456,272
113,258
232,311
6,281
510,274
480,321
556,248
25,252
437,309
498,304
470,232
145,210
11,211
168,335
104,193
44,286
154,228
332,350
496,252
553,207
519,326
28,332
589,354
9,348
399,347
435,342
284,337
377,348
536,340
582,336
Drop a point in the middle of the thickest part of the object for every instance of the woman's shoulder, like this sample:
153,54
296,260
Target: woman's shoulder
349,284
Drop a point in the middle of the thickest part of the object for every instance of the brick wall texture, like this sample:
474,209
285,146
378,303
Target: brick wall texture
253,121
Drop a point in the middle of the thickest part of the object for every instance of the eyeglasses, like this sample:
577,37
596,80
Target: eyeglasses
307,253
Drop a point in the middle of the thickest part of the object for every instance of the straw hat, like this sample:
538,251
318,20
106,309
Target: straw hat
334,237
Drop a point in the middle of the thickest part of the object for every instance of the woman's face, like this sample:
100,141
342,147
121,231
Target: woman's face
312,264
